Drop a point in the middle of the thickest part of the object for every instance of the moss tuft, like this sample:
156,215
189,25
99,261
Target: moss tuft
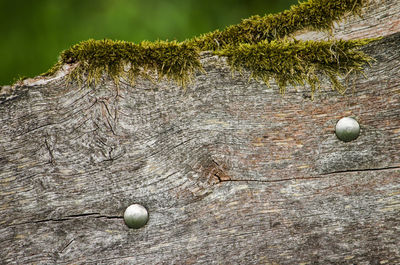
311,15
258,44
176,61
297,62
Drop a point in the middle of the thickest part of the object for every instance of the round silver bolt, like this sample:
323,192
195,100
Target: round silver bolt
347,129
136,216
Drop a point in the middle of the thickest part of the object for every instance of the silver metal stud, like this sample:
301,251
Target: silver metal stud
347,129
136,216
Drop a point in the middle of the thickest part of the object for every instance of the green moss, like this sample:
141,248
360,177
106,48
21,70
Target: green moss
176,61
297,62
258,44
312,15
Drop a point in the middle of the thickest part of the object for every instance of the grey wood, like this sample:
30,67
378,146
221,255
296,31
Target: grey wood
231,172
380,18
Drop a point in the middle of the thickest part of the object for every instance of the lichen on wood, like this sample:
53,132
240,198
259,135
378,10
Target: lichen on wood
258,44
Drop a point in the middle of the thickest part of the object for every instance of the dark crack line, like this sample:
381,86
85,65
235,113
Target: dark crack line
67,245
35,129
361,170
322,176
219,178
81,215
95,215
71,217
51,160
270,181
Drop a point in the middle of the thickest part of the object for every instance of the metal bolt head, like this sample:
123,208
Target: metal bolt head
136,216
347,129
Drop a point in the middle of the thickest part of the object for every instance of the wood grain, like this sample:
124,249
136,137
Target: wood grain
380,18
230,171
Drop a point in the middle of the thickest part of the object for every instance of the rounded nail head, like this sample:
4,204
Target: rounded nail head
136,216
347,129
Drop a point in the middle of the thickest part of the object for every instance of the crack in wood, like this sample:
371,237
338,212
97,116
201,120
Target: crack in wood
313,178
272,180
218,171
104,101
71,217
51,160
361,170
218,177
66,246
35,129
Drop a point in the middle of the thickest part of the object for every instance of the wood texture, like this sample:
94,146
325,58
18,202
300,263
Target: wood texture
231,172
380,18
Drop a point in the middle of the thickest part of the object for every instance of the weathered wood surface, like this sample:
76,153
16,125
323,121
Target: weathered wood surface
231,172
380,18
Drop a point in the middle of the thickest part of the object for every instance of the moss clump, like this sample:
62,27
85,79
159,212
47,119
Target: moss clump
312,15
297,62
176,61
258,44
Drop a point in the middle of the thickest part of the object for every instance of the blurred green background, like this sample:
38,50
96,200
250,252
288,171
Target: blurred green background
34,32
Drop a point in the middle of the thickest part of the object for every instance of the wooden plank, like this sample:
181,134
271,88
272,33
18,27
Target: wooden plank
230,171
